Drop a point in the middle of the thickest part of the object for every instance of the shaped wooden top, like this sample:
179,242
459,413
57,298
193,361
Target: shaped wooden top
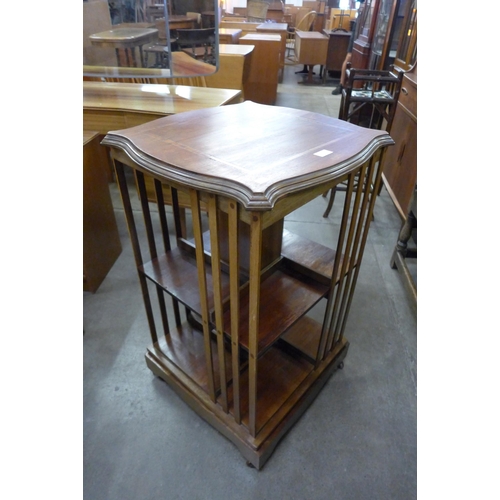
252,152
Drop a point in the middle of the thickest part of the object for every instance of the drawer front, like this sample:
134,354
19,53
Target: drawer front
408,96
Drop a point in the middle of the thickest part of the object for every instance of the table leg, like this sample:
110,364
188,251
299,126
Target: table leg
117,52
141,56
310,73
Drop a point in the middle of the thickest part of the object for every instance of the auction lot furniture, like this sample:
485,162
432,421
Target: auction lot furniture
263,78
311,48
126,38
101,241
111,106
239,338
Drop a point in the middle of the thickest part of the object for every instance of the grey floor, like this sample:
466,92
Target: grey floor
358,440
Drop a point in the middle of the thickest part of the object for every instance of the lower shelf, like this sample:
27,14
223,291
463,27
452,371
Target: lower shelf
287,382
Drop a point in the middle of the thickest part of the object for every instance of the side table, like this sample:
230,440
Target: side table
234,324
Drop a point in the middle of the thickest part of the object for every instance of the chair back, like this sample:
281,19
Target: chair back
370,97
257,10
191,40
198,17
306,23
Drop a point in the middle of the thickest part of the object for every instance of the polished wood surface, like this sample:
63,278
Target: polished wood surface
247,356
400,167
111,106
101,241
245,27
285,157
229,35
338,42
265,63
127,38
282,30
311,48
234,68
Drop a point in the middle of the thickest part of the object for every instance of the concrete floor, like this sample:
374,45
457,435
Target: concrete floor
358,439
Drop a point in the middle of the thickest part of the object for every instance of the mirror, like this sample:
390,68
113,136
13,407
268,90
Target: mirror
150,38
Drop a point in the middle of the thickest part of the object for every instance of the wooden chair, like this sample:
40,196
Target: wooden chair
257,10
198,43
305,24
369,100
198,18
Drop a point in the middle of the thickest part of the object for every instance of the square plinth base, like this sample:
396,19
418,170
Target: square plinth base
256,450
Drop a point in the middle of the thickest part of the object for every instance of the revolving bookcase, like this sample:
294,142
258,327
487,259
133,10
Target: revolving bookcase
247,322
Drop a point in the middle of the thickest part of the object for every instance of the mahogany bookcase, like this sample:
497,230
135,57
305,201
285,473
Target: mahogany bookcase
230,299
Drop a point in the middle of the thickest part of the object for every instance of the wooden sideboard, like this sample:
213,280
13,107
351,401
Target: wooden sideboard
112,106
101,241
400,165
338,42
262,86
234,68
248,319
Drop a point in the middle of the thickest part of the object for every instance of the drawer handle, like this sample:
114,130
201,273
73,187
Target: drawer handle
405,92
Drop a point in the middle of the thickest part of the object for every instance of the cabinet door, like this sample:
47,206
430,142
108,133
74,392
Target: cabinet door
400,164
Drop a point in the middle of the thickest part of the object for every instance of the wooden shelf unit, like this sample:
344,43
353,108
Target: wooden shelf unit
254,322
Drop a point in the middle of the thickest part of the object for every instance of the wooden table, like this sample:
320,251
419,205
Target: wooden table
311,48
125,38
243,352
229,35
111,106
181,22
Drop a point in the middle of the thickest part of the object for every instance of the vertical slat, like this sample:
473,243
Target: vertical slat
253,306
136,247
333,294
346,270
234,284
143,196
217,290
176,212
365,180
202,285
166,239
178,234
163,217
375,166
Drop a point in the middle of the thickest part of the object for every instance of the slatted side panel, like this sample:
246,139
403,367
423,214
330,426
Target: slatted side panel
136,247
156,242
234,287
357,215
202,284
253,317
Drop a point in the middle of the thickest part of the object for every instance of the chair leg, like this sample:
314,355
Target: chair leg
330,202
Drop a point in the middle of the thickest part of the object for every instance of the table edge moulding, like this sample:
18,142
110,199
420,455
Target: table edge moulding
239,339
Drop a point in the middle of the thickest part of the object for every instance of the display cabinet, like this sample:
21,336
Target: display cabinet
365,28
400,170
406,55
248,319
391,29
